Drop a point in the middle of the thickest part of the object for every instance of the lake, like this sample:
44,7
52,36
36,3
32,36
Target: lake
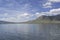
29,31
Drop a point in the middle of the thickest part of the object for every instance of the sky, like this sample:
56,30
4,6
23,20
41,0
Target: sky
25,10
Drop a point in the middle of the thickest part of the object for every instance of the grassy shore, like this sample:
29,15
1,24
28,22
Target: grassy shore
33,22
44,21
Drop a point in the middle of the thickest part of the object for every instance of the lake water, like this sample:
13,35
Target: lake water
29,31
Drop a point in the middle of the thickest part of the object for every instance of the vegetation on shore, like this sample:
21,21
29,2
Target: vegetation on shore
42,21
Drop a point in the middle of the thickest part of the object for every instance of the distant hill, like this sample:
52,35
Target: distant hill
46,19
51,18
41,19
5,22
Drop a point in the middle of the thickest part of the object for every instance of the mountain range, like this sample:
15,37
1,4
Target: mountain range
47,19
41,19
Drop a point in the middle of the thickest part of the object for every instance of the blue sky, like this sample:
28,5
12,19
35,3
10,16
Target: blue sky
24,10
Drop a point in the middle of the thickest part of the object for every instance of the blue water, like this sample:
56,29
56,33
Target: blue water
29,31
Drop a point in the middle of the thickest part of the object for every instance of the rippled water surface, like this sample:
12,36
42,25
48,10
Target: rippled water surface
29,31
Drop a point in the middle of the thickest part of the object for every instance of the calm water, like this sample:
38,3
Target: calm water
29,31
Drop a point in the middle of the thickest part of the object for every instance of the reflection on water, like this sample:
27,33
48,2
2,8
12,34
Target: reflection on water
29,31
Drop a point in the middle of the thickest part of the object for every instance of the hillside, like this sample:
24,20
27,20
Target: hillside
41,19
46,19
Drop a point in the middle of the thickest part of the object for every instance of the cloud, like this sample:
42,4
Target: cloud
49,3
15,15
54,0
55,11
15,18
14,12
15,5
51,12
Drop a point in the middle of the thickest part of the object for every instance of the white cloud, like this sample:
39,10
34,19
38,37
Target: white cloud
55,11
47,5
51,12
40,14
54,0
25,14
15,17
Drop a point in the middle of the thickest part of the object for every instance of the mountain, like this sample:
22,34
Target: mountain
51,18
41,19
5,22
46,19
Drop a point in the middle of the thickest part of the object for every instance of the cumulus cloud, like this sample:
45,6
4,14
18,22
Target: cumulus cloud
14,12
52,12
15,18
14,15
18,16
49,3
55,11
39,14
